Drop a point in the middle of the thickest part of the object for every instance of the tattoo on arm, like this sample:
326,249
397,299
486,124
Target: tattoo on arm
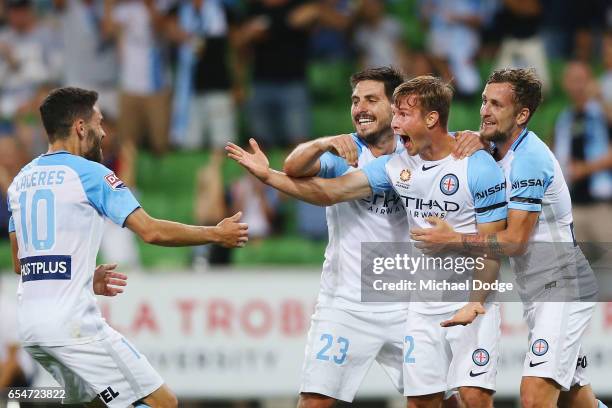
479,243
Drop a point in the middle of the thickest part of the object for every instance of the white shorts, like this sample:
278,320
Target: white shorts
438,359
111,368
555,341
212,116
343,344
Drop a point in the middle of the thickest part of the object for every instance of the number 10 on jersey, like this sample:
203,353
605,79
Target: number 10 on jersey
40,230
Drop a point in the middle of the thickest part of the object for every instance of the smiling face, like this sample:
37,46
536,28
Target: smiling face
370,110
409,123
498,113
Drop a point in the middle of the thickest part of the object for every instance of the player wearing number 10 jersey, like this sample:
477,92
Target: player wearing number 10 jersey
58,203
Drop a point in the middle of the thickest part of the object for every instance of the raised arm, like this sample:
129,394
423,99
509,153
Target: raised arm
304,160
228,233
314,190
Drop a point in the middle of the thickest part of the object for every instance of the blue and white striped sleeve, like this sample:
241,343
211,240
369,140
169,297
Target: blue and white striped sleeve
376,172
488,187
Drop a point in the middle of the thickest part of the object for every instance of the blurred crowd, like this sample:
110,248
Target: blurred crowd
179,75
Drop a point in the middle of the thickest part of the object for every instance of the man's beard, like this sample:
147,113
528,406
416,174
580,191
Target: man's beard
498,136
95,152
375,137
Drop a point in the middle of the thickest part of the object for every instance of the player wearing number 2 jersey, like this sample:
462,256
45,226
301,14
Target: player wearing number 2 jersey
553,276
421,122
58,204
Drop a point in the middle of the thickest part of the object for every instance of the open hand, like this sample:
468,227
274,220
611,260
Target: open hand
256,163
107,282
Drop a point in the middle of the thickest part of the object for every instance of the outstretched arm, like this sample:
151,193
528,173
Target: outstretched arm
228,233
314,190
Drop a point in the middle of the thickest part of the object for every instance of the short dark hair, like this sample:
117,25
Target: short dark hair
432,94
62,107
389,76
526,86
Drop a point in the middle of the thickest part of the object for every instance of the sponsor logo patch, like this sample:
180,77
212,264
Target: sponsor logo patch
405,175
480,357
539,347
113,181
47,267
449,184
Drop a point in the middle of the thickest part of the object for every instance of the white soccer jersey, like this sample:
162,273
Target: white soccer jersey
58,204
462,192
536,183
379,218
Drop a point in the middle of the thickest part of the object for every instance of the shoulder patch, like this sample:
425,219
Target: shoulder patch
113,181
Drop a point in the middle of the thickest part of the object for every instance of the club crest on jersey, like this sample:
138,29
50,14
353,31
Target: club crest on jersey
113,181
480,357
539,347
405,175
449,184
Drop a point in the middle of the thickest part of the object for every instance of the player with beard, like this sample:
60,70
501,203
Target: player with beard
539,211
347,335
427,179
58,204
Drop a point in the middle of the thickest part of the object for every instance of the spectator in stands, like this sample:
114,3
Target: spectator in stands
606,79
522,46
588,22
259,203
378,37
24,60
144,98
212,204
453,39
207,74
84,41
12,159
276,34
330,38
581,135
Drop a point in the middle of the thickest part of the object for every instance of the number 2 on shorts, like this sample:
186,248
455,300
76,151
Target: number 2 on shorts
409,350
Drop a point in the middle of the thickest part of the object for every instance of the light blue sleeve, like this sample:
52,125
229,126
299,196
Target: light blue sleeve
530,176
332,166
376,172
488,187
107,193
11,225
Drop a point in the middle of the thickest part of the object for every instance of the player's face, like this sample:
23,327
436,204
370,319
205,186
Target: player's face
370,110
497,112
93,138
409,124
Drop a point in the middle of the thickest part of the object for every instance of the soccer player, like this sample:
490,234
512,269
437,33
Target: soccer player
539,210
58,204
421,109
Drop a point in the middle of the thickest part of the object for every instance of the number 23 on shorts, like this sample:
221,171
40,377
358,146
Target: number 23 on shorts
328,341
